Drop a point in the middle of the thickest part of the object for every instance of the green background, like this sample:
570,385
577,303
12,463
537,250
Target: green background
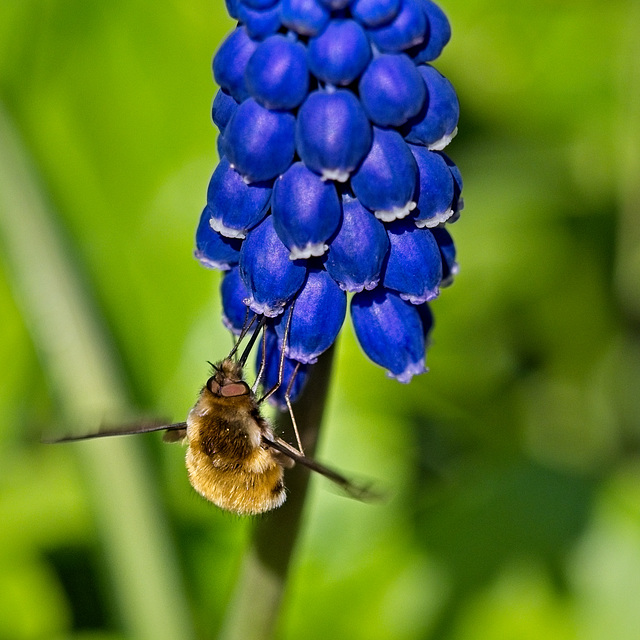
512,467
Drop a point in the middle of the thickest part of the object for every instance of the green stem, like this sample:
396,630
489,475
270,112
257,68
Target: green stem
81,370
255,606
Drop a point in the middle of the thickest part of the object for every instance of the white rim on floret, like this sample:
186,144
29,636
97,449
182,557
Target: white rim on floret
430,223
396,213
210,264
413,369
427,296
439,145
337,175
264,308
217,225
311,249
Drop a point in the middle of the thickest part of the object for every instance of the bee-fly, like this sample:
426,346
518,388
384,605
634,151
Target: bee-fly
233,458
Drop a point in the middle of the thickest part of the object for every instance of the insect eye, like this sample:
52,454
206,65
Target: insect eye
213,386
234,389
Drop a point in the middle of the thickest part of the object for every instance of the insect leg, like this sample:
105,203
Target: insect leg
247,350
245,329
287,399
263,360
278,384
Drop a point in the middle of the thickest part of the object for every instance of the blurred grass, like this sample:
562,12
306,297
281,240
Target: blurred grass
513,465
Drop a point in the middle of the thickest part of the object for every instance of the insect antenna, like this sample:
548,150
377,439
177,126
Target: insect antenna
287,395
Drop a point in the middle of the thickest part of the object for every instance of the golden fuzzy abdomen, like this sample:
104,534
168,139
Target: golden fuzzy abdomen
249,487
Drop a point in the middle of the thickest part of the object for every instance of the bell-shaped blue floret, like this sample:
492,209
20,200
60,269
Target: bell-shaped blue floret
434,193
277,76
406,30
439,33
271,374
358,250
333,133
390,332
230,62
306,17
235,313
385,182
259,143
392,90
373,13
213,250
340,53
222,109
235,205
414,266
437,122
448,254
260,23
306,211
318,313
271,278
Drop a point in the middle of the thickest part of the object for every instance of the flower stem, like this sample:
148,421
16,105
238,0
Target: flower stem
254,609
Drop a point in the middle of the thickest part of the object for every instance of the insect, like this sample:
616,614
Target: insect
234,459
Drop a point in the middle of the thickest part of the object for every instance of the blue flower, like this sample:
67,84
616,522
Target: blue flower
271,278
333,134
235,206
306,211
213,250
390,332
258,142
332,178
358,250
317,317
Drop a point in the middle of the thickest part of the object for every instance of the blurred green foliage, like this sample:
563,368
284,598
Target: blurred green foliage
512,467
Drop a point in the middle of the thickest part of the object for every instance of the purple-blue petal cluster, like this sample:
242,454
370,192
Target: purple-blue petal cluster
332,179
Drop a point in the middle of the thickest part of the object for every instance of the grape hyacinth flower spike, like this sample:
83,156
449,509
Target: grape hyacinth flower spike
332,181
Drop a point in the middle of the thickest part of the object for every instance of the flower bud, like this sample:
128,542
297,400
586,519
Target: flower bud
258,142
277,76
406,30
230,62
222,109
373,13
438,34
333,134
392,90
260,23
271,278
213,250
306,211
434,191
318,314
386,181
358,250
448,255
306,17
340,53
235,206
437,122
390,332
414,267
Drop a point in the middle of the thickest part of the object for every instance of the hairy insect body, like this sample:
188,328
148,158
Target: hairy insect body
227,460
